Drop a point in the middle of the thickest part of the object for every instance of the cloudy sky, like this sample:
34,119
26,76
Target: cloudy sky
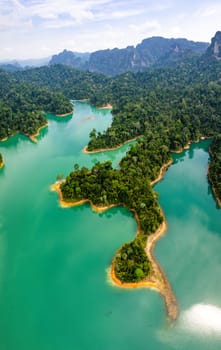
40,28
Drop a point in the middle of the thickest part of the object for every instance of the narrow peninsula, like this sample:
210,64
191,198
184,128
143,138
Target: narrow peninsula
170,107
99,150
103,187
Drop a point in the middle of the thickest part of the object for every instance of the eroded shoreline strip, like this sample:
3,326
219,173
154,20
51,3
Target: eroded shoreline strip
215,195
33,137
163,169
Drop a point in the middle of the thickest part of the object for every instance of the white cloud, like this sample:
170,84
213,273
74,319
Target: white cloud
59,23
174,32
78,10
202,318
125,13
212,9
99,24
147,28
7,50
161,6
16,13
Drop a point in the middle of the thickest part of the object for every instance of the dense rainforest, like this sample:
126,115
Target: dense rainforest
165,108
215,167
23,105
168,109
73,83
128,186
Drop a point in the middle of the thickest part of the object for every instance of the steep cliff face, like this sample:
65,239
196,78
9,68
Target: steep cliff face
214,49
151,51
113,62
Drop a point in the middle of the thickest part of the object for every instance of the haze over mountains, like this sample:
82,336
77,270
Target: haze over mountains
152,51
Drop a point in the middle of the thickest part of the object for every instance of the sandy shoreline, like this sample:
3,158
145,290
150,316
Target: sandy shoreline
109,149
2,164
106,106
149,282
162,172
4,139
143,284
56,187
65,114
187,146
7,137
157,280
33,137
181,149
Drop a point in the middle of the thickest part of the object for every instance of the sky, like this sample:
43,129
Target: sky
41,28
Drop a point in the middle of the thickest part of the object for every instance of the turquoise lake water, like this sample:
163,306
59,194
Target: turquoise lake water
54,288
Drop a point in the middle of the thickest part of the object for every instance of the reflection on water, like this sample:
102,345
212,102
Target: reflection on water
13,141
53,288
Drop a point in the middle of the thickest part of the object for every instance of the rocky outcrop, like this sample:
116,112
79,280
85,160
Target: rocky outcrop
214,50
152,51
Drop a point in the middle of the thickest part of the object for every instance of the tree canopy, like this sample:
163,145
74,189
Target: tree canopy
165,108
23,105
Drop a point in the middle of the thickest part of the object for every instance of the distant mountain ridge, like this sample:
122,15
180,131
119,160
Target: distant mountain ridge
70,58
15,65
152,51
11,67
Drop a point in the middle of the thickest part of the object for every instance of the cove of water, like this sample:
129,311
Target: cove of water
54,288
